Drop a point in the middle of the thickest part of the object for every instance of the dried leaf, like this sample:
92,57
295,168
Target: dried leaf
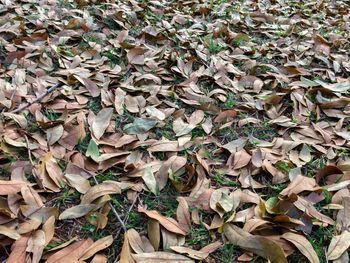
139,126
9,232
154,233
11,187
101,122
92,150
150,181
183,214
105,188
303,245
18,251
169,223
77,211
339,244
97,246
199,255
71,253
161,257
263,247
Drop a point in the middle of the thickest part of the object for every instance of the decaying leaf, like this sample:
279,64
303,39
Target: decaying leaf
140,126
161,257
230,116
199,255
263,247
77,211
101,122
303,245
149,180
105,188
183,215
339,244
167,222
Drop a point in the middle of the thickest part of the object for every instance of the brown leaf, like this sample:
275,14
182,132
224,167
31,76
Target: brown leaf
78,182
39,214
136,55
97,246
339,244
183,214
299,184
154,233
263,247
101,122
77,211
91,87
31,197
105,188
98,258
9,232
161,257
11,187
49,229
234,233
199,255
167,222
125,255
211,247
18,251
327,171
36,245
303,245
70,254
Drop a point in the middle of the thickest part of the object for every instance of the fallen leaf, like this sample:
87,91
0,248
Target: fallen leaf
18,251
91,87
167,222
105,188
199,255
97,246
161,257
150,181
11,187
263,247
153,230
71,253
9,232
303,245
77,211
339,244
140,126
183,214
101,122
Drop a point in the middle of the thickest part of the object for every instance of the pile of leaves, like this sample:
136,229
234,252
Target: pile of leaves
174,131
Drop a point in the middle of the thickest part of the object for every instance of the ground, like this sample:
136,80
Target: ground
214,131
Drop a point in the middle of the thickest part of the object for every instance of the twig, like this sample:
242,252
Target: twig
126,216
109,203
118,217
38,98
125,219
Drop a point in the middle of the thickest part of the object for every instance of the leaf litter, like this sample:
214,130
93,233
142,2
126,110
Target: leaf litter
174,131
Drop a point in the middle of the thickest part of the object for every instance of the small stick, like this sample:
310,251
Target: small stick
127,216
125,219
109,203
38,98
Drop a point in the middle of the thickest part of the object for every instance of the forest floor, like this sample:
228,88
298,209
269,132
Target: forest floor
174,131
